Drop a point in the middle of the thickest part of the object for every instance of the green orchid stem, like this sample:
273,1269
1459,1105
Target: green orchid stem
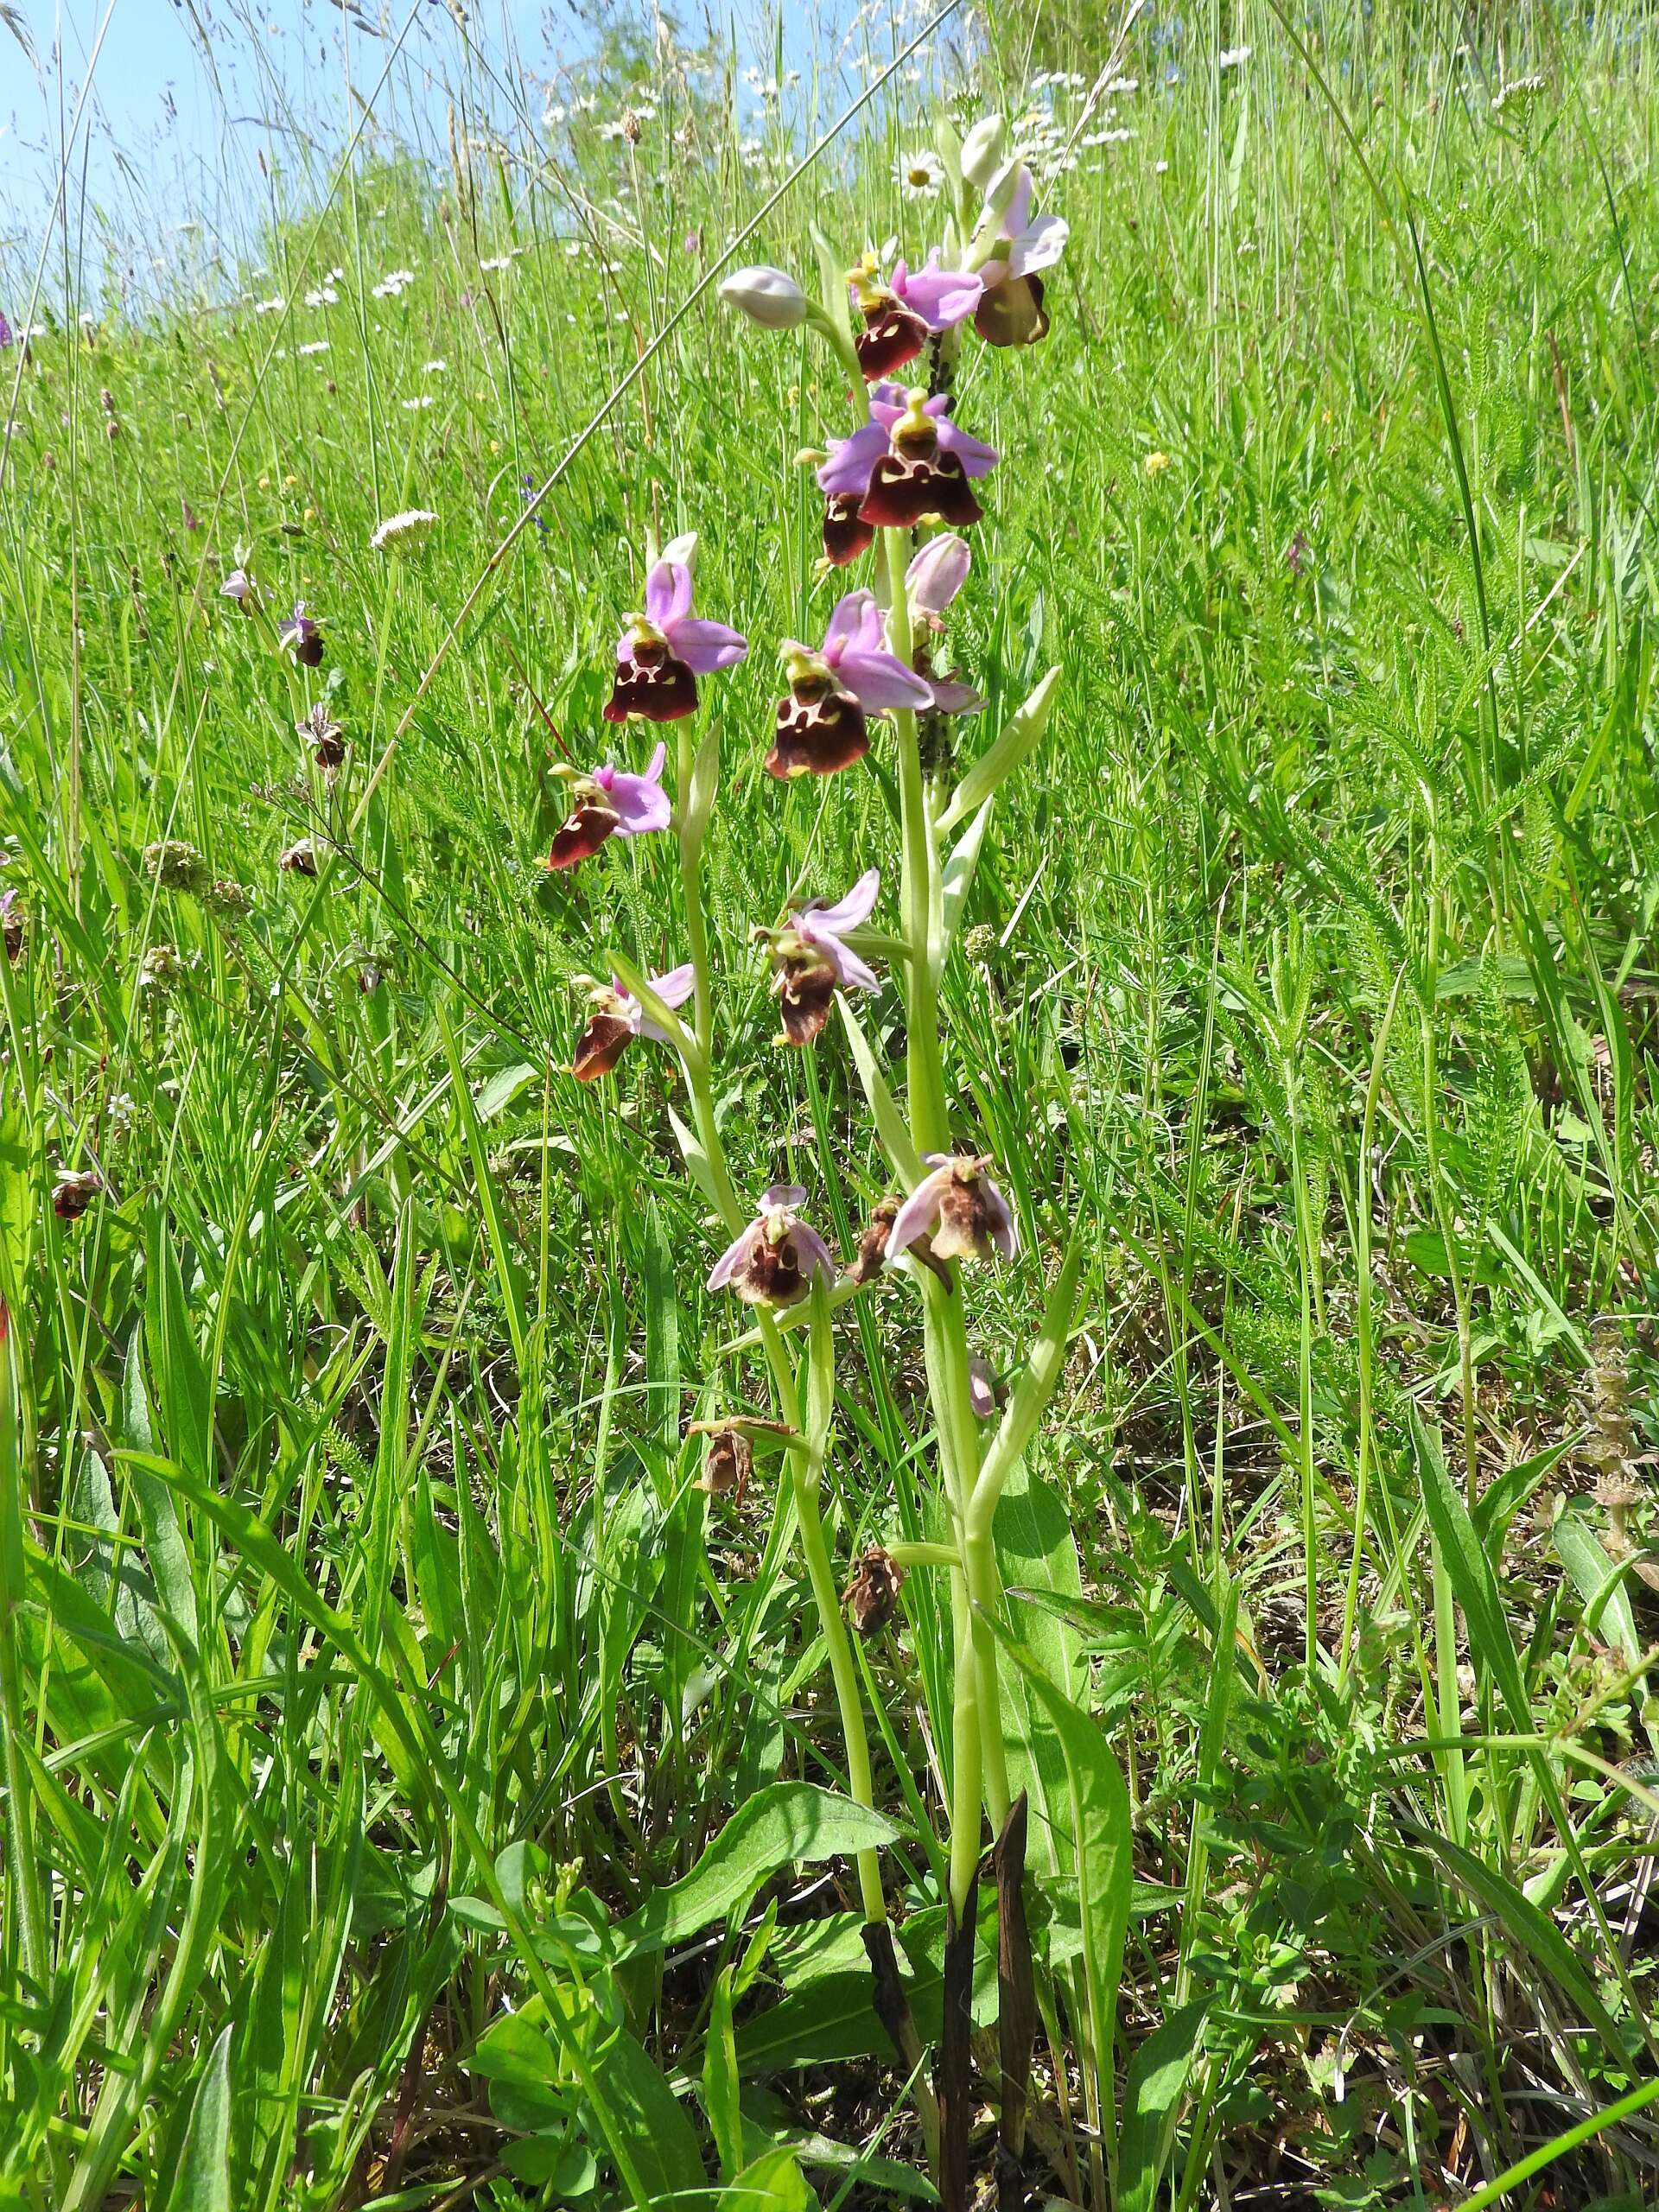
979,1765
807,1475
929,1120
696,921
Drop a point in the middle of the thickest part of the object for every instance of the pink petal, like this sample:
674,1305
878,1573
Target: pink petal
950,697
851,973
978,458
816,1257
917,1214
783,1198
733,1257
668,593
881,679
641,802
1040,247
943,298
848,624
851,460
703,646
676,986
846,913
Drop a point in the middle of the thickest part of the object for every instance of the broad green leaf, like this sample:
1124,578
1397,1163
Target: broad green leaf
784,1824
1471,1574
889,1122
1097,1804
203,2180
1153,2085
771,2182
1598,1581
1022,730
719,2079
650,2138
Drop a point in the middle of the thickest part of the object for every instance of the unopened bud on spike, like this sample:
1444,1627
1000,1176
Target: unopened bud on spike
982,152
768,297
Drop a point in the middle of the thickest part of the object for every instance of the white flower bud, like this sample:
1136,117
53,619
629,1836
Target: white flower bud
768,297
682,551
982,152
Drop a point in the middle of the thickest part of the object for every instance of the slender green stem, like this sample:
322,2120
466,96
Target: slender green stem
929,1120
1364,1337
805,1480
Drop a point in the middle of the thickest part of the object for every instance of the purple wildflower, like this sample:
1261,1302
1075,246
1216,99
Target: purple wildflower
616,1018
822,727
240,586
662,652
959,1210
610,802
777,1258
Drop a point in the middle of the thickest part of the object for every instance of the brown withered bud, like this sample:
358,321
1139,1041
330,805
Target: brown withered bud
872,1245
325,737
872,1596
727,1465
300,859
805,987
74,1191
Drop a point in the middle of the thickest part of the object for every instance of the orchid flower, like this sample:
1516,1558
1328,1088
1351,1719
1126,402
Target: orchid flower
893,333
616,1018
303,637
908,438
240,586
609,801
1010,311
958,1209
777,1257
662,652
822,727
813,962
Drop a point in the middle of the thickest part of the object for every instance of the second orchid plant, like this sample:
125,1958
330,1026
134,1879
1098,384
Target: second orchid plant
902,486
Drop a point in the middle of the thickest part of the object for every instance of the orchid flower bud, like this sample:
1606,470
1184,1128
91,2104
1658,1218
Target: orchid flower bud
682,549
768,297
938,573
982,152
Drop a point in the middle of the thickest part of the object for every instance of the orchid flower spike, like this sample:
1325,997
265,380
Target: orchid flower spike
910,459
959,1210
813,962
822,725
615,1018
1010,311
608,802
662,652
777,1257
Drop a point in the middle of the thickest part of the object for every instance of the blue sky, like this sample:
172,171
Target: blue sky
177,125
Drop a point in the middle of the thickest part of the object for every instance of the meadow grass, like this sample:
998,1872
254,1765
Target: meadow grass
378,1683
